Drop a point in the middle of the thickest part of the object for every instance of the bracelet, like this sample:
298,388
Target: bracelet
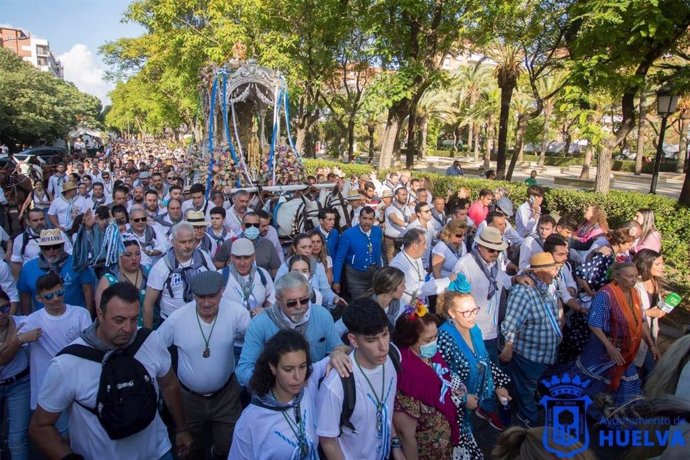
395,443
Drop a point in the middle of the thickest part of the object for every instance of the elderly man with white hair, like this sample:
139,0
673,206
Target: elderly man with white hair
170,276
292,310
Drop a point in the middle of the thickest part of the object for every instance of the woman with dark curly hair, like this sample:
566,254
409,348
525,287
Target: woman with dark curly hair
280,421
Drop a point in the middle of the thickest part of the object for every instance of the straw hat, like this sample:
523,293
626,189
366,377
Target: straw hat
67,186
542,260
51,237
354,195
197,219
491,238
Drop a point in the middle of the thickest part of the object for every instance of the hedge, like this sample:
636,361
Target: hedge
672,220
571,160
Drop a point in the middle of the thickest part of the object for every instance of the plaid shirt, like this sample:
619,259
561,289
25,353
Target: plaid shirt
531,322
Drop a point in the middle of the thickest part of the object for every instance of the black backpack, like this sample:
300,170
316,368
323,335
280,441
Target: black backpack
127,401
350,392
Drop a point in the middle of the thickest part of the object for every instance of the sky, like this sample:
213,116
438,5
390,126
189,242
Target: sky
75,29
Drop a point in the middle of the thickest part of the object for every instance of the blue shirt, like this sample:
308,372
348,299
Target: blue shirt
320,335
331,240
531,323
73,281
358,250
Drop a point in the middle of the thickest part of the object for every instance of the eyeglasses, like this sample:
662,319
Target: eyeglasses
468,313
51,295
140,219
5,308
54,247
293,303
248,224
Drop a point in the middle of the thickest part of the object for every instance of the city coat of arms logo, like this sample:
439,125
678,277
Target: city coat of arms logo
566,433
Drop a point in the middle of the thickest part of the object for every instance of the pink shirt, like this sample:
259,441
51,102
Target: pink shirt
653,242
477,212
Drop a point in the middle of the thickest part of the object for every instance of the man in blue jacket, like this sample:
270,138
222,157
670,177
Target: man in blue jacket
359,250
328,230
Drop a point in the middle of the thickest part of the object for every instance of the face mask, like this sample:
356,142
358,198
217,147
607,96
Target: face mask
428,350
251,233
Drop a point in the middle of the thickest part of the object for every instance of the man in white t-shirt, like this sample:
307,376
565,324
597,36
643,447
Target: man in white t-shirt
369,433
65,208
206,362
71,386
60,324
169,277
423,222
56,181
534,242
234,216
398,216
248,285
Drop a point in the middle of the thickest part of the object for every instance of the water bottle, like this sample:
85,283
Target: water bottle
671,301
504,412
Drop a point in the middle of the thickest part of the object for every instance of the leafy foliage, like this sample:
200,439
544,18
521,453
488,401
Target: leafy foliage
37,107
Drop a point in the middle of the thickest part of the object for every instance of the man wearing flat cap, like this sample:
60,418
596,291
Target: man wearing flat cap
204,333
532,332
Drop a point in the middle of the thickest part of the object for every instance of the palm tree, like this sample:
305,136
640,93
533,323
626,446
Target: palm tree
434,104
485,109
472,80
549,84
508,58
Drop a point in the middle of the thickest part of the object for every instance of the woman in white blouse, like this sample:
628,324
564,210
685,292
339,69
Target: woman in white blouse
449,249
280,421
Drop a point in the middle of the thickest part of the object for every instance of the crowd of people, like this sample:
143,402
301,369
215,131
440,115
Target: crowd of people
145,318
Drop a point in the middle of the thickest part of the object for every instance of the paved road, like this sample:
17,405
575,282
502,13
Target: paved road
669,184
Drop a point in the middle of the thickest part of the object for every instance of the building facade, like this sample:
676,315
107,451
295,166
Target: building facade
31,49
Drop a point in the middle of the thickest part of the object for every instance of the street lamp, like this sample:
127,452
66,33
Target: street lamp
666,103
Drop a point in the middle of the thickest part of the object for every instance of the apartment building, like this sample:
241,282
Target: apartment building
31,49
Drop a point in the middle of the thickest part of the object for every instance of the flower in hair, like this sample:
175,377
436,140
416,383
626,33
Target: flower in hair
415,309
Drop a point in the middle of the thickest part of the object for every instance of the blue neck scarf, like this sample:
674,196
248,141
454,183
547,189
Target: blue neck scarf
480,381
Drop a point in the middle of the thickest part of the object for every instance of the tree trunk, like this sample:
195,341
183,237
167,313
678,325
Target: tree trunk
423,131
603,178
396,114
475,147
587,163
519,137
684,197
470,136
567,139
489,146
683,142
411,132
640,135
504,118
545,140
351,139
371,128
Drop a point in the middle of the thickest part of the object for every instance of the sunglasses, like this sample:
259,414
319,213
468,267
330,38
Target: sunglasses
293,303
140,219
5,308
52,295
492,251
54,247
247,225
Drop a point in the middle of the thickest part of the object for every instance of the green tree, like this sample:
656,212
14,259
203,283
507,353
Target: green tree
36,107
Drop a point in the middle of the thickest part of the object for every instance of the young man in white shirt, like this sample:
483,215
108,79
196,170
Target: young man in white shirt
398,216
59,325
206,363
369,433
71,385
534,243
528,212
423,212
216,232
65,208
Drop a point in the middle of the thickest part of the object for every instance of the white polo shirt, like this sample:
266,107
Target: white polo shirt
183,328
416,280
